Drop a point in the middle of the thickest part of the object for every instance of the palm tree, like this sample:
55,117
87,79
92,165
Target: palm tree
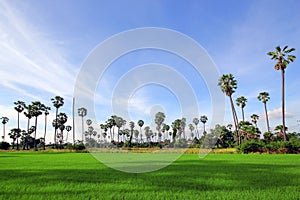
166,128
131,125
141,124
176,127
159,120
57,103
192,128
182,127
283,58
280,130
119,124
82,112
28,114
264,97
254,118
228,85
59,123
46,112
37,108
196,122
4,121
14,134
68,129
203,119
20,105
241,101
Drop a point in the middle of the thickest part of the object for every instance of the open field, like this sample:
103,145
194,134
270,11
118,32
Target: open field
217,176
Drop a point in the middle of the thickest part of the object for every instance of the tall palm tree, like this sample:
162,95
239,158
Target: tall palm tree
4,121
203,119
20,105
192,128
119,124
283,59
37,108
82,112
46,112
241,101
141,124
59,123
159,120
57,103
254,118
264,97
280,129
176,127
166,128
228,85
196,122
28,114
131,125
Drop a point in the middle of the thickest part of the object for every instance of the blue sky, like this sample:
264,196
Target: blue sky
43,45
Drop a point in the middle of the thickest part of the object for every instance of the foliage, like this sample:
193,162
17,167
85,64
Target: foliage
4,145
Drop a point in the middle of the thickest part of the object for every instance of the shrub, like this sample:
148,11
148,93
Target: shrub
251,146
4,145
79,146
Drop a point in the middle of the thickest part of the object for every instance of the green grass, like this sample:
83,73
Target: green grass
217,176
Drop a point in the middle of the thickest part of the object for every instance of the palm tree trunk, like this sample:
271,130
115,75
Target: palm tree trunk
34,142
235,120
73,121
243,114
283,109
3,132
55,128
82,124
45,132
267,118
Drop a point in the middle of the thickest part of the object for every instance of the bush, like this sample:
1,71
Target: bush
251,146
79,146
4,145
292,146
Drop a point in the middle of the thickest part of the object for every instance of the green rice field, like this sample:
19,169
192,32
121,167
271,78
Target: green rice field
217,176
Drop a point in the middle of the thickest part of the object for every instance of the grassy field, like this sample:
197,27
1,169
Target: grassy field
217,176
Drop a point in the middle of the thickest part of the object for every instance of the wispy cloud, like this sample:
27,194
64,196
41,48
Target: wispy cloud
28,59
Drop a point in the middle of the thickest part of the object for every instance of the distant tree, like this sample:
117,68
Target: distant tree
46,112
264,97
241,102
141,124
196,122
20,106
131,125
4,121
283,59
82,112
192,128
68,129
37,108
119,124
57,102
203,119
14,134
28,114
159,120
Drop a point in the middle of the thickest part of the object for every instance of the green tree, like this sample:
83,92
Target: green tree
119,124
264,97
280,131
28,114
82,112
283,59
241,102
4,121
228,85
176,126
57,102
